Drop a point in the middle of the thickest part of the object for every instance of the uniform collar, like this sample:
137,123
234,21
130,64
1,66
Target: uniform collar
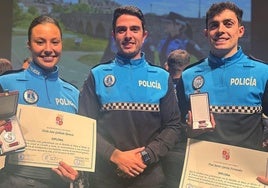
40,72
125,61
215,61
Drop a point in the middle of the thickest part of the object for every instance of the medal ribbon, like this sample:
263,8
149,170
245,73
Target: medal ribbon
8,126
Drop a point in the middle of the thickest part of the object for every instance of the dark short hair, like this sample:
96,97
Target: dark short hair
41,20
129,10
217,8
177,59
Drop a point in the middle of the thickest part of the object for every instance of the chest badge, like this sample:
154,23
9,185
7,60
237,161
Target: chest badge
109,80
30,96
198,82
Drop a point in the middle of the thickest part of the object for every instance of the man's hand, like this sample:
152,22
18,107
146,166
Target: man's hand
191,132
128,162
265,144
66,172
263,180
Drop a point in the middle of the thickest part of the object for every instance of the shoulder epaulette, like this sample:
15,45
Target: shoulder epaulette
102,63
154,65
193,64
256,59
69,83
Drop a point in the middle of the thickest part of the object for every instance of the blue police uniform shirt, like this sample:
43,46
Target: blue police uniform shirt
41,88
236,86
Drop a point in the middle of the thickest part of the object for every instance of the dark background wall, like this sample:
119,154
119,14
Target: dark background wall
5,28
259,29
259,25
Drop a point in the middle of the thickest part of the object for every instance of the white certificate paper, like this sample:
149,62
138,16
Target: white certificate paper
52,136
214,165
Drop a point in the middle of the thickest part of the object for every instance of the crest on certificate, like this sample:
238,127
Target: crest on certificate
226,154
59,119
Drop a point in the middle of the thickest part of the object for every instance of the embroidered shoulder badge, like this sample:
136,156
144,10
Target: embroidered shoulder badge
109,80
198,82
30,96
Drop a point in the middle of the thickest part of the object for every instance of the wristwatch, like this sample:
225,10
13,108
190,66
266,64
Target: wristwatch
145,157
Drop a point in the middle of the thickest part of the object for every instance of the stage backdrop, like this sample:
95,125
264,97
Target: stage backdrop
87,29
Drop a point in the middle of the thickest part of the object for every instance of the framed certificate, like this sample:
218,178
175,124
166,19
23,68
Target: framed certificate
200,110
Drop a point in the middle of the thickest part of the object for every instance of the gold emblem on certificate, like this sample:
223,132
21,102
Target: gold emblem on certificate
200,111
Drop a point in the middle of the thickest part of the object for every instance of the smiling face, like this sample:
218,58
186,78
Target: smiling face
223,32
45,45
129,36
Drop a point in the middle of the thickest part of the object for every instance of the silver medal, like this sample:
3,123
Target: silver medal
9,137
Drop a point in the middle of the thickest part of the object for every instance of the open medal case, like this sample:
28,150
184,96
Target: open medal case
10,131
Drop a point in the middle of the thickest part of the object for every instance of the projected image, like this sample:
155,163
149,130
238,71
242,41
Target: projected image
87,29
